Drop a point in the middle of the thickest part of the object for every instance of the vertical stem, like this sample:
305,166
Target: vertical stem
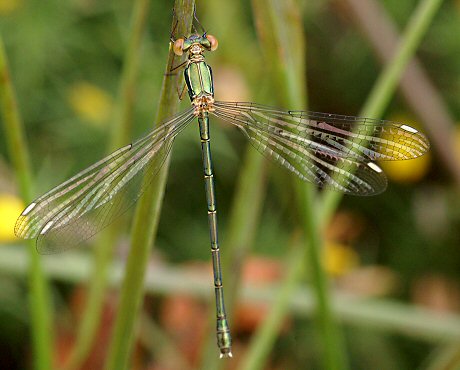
278,22
445,357
126,95
387,81
39,302
420,93
120,134
243,219
334,356
146,218
263,340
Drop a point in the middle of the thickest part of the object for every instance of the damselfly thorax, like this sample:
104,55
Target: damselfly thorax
198,74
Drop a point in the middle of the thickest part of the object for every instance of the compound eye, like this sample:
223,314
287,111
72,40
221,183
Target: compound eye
177,47
213,41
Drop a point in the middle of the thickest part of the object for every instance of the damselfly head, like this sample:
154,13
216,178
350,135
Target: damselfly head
195,44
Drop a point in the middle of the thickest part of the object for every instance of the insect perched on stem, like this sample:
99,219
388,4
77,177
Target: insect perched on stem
329,150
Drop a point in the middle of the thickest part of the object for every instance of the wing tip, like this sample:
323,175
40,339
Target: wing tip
29,208
373,166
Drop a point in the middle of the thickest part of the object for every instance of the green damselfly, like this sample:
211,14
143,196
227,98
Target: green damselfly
329,150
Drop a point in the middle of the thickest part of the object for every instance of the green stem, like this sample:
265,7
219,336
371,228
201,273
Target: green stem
95,300
263,340
277,23
244,215
160,345
334,356
446,357
388,80
120,135
127,95
146,219
39,302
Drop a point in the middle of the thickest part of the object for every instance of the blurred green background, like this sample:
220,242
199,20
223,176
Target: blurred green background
393,260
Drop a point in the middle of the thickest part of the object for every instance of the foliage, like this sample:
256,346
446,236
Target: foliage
66,60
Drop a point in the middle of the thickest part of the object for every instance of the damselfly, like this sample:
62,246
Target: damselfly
329,150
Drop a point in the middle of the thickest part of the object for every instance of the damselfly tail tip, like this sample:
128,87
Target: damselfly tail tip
226,353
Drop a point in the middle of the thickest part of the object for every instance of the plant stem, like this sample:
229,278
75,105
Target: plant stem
420,93
146,218
120,135
161,346
264,338
334,355
387,81
244,215
446,357
277,23
39,302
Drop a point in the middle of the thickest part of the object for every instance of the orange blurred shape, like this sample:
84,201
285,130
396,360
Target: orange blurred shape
257,271
370,281
64,343
407,171
436,292
230,85
345,226
262,270
186,319
66,336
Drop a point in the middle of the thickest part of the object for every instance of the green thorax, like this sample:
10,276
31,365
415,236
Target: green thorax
198,76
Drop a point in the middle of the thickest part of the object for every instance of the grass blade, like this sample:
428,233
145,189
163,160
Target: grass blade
277,23
39,300
146,219
120,135
387,81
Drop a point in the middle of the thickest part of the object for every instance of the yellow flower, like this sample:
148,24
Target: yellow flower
407,171
338,259
90,102
10,208
9,6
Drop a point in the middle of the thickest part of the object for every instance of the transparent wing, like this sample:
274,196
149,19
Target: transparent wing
83,205
344,136
316,145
